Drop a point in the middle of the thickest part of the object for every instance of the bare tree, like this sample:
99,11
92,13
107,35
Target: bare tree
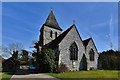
12,47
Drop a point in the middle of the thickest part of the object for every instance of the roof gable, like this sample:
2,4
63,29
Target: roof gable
94,45
85,42
56,41
11,60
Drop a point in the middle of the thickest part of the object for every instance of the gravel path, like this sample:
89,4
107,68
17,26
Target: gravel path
26,75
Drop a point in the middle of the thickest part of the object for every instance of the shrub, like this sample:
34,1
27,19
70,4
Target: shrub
23,62
62,68
45,59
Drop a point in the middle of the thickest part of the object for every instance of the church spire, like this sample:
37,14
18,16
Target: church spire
52,22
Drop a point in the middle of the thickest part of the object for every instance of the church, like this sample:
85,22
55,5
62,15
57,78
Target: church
69,48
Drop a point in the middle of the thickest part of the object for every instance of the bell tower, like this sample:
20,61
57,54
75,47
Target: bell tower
50,30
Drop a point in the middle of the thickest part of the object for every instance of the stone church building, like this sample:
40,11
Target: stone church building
70,49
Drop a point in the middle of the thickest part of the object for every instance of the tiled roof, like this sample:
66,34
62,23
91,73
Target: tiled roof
12,59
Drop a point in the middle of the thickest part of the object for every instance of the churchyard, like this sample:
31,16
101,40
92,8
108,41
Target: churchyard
89,75
83,75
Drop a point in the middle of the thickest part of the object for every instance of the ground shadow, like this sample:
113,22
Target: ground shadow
8,72
25,72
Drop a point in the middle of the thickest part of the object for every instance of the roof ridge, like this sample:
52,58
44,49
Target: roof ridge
87,38
56,41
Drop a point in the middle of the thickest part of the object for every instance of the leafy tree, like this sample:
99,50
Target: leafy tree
31,61
25,55
15,55
109,60
45,60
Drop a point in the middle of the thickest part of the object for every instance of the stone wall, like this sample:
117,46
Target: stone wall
46,34
91,64
64,57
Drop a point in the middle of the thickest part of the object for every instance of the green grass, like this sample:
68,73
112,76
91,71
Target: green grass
6,75
88,74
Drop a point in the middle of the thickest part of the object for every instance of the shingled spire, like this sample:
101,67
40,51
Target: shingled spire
52,22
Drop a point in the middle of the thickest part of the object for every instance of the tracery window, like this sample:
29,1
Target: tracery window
91,54
73,51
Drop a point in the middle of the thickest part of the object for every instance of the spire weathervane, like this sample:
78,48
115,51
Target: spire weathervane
51,9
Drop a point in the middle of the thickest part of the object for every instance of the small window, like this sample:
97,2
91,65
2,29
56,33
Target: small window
55,34
51,33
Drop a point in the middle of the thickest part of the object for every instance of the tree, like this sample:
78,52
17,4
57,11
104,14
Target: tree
45,60
109,60
25,55
15,55
13,49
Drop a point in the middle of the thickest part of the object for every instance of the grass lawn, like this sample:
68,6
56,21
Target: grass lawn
6,75
96,74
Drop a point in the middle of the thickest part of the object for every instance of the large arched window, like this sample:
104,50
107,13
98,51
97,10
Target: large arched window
73,51
51,33
91,54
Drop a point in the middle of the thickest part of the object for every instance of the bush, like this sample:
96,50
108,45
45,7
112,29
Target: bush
62,68
45,59
22,62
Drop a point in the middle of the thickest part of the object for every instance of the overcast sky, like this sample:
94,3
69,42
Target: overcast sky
22,21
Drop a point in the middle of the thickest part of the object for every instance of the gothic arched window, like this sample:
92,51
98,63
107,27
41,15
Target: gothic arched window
55,34
51,33
73,51
91,54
